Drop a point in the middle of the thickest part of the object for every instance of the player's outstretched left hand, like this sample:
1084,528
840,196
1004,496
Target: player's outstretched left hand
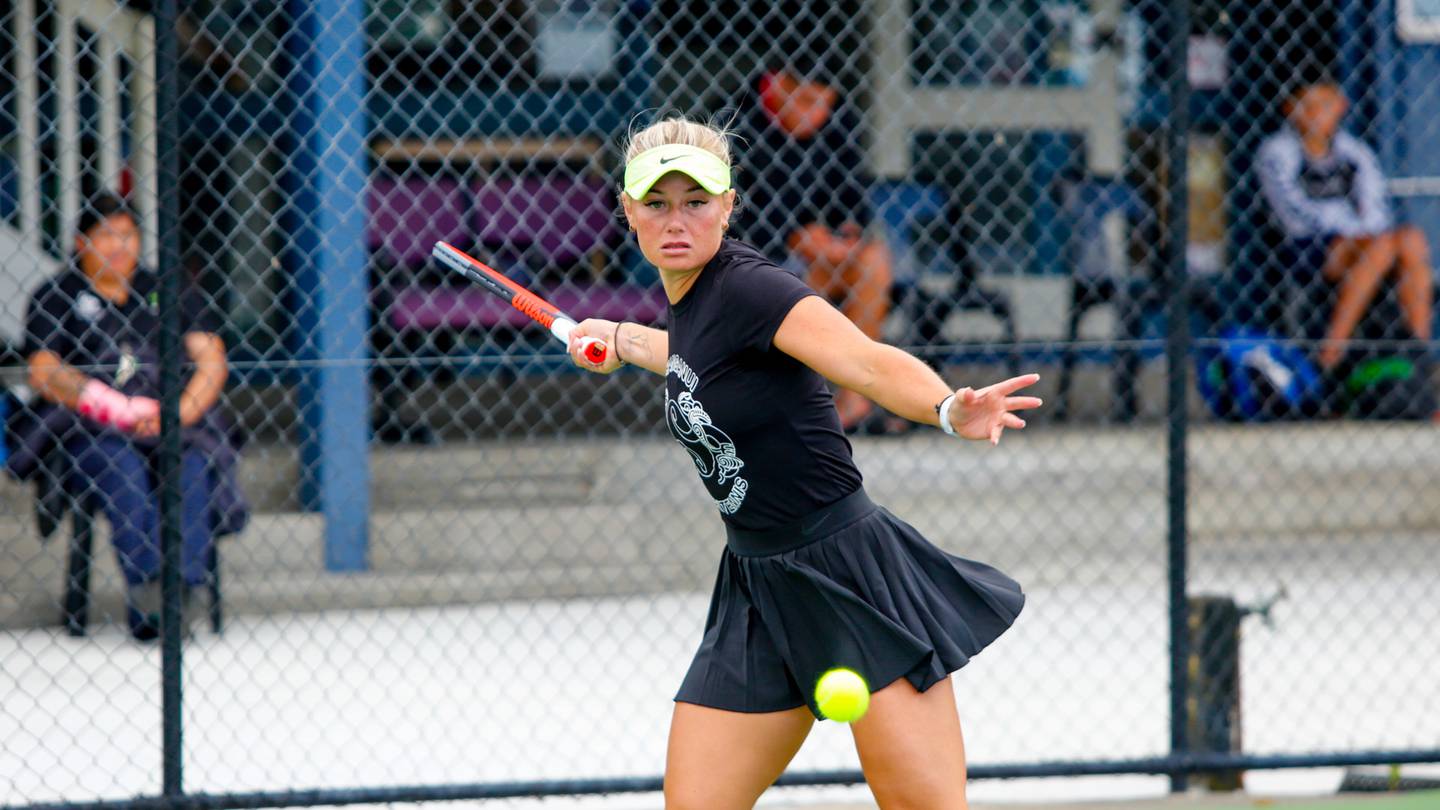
985,413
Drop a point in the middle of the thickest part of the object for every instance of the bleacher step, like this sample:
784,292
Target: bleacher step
509,520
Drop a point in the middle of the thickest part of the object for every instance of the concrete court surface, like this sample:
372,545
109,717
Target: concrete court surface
475,651
1428,800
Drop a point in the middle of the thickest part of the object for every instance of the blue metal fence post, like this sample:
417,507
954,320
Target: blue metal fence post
328,258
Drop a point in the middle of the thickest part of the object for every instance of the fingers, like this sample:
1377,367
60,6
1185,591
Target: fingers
1022,403
583,335
1010,386
577,354
588,328
594,350
1006,420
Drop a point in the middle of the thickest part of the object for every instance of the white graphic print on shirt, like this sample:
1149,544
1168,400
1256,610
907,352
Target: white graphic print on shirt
712,451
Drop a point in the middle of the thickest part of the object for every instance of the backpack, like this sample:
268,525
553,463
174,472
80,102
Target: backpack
1251,376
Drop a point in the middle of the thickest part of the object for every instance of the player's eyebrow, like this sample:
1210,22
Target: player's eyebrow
690,190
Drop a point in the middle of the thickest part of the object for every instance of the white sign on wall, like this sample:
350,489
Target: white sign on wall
1208,65
576,45
1418,20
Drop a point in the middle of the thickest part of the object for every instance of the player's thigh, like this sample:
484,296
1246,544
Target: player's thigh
1411,243
1342,253
1376,253
874,265
911,748
719,759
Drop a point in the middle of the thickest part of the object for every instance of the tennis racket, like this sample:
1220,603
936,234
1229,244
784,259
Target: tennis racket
541,311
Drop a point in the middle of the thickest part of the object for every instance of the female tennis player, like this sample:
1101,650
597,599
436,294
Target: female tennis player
814,574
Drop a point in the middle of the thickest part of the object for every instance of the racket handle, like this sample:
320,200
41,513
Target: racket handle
594,350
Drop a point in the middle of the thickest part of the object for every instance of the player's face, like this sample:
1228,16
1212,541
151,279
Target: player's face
111,247
678,224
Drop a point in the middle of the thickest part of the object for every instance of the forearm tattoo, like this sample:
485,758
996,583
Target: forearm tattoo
636,345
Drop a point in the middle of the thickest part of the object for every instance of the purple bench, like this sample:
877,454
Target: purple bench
408,216
461,308
555,220
548,221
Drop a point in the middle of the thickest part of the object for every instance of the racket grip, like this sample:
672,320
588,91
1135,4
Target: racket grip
594,350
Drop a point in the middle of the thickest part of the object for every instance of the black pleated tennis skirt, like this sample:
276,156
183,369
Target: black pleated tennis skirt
850,585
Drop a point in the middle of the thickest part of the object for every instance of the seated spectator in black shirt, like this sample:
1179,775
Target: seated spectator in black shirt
1326,189
91,339
806,207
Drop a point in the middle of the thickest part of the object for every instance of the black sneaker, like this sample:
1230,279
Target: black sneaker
143,606
143,626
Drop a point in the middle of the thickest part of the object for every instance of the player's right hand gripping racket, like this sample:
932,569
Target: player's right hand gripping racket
541,311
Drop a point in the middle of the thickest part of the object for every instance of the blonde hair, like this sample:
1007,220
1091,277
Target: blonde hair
713,138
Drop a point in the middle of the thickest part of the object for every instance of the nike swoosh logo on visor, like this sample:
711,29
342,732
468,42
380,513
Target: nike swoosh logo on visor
663,161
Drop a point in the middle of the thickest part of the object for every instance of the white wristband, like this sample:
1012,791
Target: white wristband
943,409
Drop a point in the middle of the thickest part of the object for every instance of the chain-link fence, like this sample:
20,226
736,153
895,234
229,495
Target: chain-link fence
452,565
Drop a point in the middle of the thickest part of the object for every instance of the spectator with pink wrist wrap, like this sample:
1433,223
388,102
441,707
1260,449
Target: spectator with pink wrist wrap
107,406
91,339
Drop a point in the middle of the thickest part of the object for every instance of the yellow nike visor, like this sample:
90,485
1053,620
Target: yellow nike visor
699,164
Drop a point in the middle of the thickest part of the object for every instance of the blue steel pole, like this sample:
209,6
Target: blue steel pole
328,256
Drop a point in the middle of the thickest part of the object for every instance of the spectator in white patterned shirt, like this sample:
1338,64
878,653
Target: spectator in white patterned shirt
1327,192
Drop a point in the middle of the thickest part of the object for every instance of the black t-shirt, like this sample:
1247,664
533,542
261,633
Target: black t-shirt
118,344
1332,179
760,425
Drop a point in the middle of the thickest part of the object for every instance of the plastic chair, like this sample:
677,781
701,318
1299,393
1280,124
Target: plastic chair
51,508
1097,281
911,213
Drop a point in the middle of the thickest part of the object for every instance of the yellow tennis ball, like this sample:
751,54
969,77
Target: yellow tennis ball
842,695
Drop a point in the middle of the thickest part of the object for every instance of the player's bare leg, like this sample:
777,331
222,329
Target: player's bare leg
867,278
1342,253
1373,259
1416,287
828,279
861,286
718,760
911,748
